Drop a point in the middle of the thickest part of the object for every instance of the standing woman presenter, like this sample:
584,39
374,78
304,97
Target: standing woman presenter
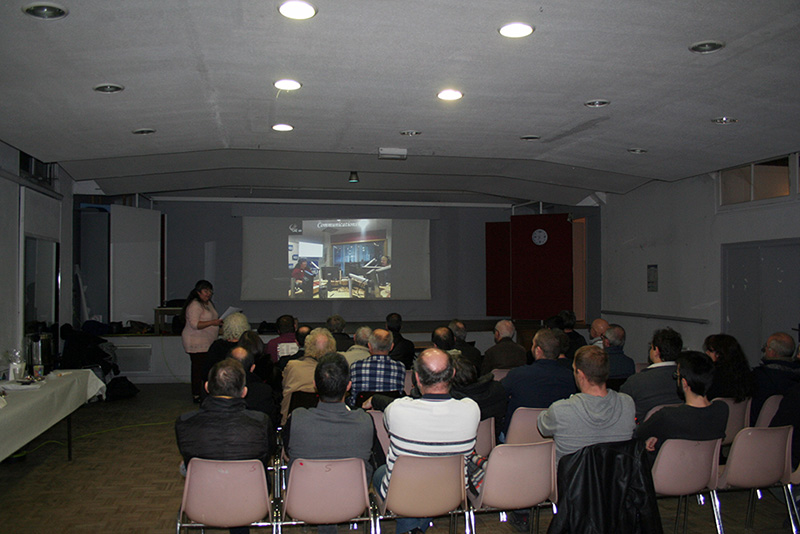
201,330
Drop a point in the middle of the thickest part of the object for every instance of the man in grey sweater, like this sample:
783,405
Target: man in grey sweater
595,415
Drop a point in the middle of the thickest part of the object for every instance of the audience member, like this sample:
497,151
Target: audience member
300,336
468,350
596,331
778,371
359,350
621,366
505,353
233,326
378,373
286,342
260,397
484,390
576,340
697,418
732,374
433,425
299,374
336,323
443,338
655,386
540,384
403,350
595,415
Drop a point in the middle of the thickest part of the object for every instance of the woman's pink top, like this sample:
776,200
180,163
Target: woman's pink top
195,340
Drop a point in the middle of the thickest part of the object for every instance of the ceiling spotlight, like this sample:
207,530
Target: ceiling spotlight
297,10
143,131
108,88
410,133
282,127
515,30
353,177
530,137
599,103
288,85
45,11
450,94
724,120
706,47
637,150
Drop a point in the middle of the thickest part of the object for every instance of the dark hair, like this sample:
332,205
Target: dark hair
226,379
668,342
554,322
549,342
302,333
428,377
458,328
394,321
731,368
443,338
285,323
698,370
331,377
251,342
194,294
299,261
335,323
466,373
593,361
568,317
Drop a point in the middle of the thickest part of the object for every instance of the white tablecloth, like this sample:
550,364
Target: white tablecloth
29,413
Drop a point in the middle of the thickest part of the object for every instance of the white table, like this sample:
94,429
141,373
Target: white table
28,413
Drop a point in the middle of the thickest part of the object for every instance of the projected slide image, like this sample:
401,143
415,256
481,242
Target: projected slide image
340,259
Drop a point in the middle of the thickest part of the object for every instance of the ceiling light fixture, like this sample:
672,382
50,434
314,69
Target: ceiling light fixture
297,10
530,138
109,88
46,11
706,47
288,85
450,94
282,127
410,133
143,131
724,120
598,103
353,177
637,150
515,30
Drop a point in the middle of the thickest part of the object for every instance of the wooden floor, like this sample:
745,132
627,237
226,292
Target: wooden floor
124,478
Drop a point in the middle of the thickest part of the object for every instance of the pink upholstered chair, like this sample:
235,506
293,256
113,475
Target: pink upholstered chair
738,417
485,441
523,426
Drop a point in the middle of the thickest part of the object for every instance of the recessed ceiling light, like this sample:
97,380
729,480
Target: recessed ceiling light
288,85
450,94
706,47
530,137
599,103
637,150
108,88
283,127
46,11
410,133
724,120
515,30
297,10
143,131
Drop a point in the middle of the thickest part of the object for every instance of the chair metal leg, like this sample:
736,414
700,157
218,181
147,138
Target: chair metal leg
791,505
717,512
534,525
751,506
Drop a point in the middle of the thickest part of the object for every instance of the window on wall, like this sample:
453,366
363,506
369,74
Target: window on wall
758,181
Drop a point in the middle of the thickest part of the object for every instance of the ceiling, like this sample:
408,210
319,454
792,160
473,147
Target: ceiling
201,74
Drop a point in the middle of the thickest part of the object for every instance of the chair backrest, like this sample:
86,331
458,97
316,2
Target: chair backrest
225,493
500,374
326,491
768,410
485,440
759,457
523,426
655,409
426,486
738,417
303,399
685,467
380,430
518,476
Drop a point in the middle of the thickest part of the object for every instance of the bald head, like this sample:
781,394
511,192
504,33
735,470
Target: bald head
598,328
779,345
243,356
380,341
504,328
434,369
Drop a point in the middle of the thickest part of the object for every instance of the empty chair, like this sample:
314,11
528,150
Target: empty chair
380,430
225,494
738,417
523,426
327,492
425,486
485,440
768,410
517,477
684,468
759,458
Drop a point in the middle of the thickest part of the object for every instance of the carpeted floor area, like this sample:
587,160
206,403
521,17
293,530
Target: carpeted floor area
124,478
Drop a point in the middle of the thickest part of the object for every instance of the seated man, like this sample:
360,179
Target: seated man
621,366
778,372
403,350
223,428
595,415
379,372
468,350
286,343
299,374
359,350
505,353
696,419
259,394
331,430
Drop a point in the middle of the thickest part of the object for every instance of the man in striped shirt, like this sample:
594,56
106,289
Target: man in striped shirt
433,425
378,373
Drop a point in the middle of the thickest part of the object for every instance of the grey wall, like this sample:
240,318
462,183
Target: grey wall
10,326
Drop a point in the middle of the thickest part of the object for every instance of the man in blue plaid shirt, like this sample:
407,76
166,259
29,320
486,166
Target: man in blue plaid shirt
378,372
